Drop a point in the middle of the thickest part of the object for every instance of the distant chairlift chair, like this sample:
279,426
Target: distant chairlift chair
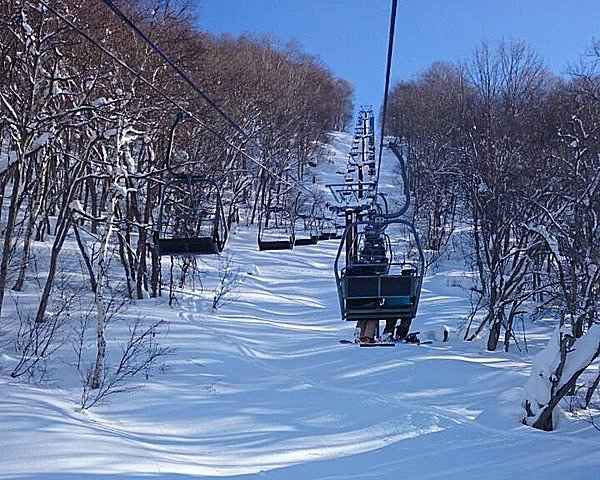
275,230
329,228
305,235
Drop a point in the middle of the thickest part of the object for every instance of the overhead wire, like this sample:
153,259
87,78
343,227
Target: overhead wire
293,184
393,146
131,70
117,11
180,72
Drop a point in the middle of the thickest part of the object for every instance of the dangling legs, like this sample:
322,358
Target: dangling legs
390,326
403,328
368,328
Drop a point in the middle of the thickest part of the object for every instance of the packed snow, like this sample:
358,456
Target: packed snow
262,388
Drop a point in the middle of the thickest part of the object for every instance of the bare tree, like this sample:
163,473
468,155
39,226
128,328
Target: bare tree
227,282
428,115
571,234
140,355
499,176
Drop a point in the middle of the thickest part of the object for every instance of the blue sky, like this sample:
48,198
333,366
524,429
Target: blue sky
350,36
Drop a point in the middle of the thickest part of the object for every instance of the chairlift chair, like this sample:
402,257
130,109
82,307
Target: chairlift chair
331,231
305,221
191,219
328,226
305,229
275,229
308,237
388,288
384,286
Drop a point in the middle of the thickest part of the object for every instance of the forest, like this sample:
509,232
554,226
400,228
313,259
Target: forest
506,149
89,115
503,158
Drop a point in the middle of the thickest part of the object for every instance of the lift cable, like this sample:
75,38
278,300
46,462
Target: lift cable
179,71
173,102
393,146
146,82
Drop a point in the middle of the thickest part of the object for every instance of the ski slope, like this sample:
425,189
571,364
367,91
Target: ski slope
263,389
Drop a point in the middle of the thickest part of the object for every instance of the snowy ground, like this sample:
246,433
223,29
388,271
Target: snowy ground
263,389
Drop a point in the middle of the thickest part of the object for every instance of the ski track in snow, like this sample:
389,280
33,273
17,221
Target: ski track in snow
262,389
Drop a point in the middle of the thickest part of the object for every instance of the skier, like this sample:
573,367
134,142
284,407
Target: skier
372,260
391,331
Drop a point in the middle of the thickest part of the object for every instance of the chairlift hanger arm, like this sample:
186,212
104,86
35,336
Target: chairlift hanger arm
395,148
178,119
388,70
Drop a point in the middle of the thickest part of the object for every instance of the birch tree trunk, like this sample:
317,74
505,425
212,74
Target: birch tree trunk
99,300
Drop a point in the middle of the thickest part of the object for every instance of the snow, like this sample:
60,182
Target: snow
262,388
583,351
39,142
544,364
99,102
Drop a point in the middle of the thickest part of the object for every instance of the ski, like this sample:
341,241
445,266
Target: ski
376,344
411,339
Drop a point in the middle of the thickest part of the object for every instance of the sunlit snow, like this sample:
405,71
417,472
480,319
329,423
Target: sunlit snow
262,388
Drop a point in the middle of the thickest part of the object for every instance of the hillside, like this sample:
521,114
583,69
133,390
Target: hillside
262,388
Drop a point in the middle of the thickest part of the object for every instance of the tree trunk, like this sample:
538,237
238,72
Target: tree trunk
494,336
63,225
544,420
8,235
37,201
591,389
86,258
101,310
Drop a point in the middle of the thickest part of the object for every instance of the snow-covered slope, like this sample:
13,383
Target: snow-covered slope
262,389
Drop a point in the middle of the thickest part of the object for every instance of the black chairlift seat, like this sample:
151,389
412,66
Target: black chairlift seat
330,230
187,246
191,218
285,244
329,236
275,230
312,240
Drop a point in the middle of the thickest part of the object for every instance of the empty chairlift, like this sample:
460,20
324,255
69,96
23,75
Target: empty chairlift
191,218
276,229
305,231
304,222
330,229
327,222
